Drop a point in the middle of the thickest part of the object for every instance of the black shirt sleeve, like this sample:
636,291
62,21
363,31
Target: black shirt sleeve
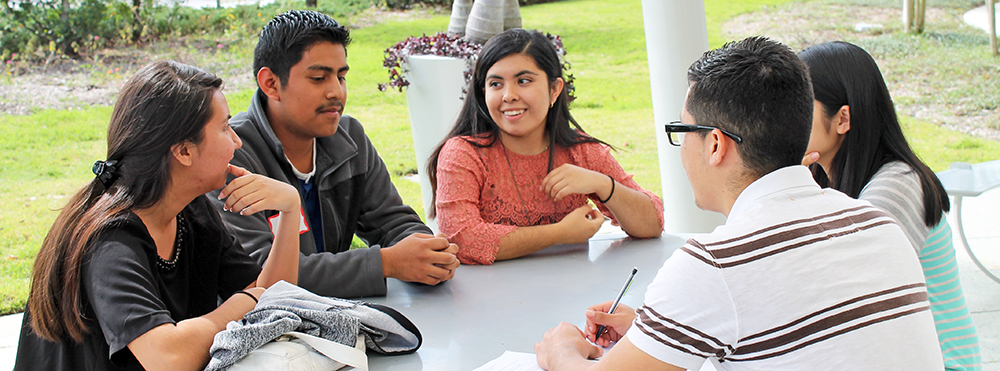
121,288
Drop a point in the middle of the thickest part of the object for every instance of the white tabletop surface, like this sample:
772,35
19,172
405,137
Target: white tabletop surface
970,180
486,310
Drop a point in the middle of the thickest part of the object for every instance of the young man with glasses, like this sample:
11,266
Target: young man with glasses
799,277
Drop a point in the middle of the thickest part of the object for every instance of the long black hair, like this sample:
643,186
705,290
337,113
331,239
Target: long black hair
844,74
474,119
163,104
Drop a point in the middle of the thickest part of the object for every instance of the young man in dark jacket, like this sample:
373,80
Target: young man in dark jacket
295,131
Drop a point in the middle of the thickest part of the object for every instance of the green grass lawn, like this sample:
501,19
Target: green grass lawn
46,156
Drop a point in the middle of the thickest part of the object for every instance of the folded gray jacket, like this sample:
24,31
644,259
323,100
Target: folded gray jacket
285,307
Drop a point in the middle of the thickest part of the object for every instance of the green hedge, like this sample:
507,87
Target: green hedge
406,4
35,29
32,30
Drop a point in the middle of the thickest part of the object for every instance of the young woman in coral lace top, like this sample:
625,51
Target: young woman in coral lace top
513,177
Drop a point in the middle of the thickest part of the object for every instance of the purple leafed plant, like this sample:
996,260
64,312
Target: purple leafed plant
440,45
455,47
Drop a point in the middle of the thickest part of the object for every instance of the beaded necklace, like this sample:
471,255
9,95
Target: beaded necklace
168,265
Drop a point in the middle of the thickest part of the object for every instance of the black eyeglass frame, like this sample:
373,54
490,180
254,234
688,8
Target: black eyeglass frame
678,127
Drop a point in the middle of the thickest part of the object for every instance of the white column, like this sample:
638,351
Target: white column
676,36
434,98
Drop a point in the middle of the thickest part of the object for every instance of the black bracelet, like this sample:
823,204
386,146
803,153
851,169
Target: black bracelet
604,201
248,294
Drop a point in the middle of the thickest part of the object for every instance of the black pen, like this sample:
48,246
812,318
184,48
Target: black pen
628,282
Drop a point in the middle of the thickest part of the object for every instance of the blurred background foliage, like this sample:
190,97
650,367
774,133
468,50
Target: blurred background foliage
38,30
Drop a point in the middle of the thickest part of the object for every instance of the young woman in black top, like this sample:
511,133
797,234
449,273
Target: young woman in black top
131,274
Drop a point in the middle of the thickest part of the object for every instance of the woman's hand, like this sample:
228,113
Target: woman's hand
581,224
571,179
250,193
810,158
615,324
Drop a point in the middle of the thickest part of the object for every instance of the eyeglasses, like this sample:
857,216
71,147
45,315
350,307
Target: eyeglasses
676,130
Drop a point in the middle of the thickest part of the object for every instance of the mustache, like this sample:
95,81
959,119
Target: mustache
326,107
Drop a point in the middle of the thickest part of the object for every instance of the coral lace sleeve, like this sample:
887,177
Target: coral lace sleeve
597,157
461,175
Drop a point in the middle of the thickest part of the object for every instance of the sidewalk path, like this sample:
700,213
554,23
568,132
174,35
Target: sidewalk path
977,18
982,294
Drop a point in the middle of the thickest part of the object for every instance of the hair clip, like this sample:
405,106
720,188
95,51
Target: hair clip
106,172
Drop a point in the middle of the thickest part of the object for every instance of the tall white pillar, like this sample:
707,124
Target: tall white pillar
434,98
676,36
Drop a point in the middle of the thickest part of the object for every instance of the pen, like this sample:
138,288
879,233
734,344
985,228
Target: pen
628,282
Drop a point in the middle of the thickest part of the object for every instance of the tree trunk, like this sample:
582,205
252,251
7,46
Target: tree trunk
485,20
918,18
136,22
991,20
459,17
310,3
67,48
63,11
907,16
511,15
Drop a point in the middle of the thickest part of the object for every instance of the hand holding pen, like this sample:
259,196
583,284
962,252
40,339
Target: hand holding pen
607,322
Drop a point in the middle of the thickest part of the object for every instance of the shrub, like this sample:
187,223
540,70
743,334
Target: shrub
407,4
34,28
456,47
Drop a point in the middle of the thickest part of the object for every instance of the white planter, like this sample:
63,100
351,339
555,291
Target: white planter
434,98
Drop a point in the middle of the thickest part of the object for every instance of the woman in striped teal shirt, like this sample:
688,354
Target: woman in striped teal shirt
858,148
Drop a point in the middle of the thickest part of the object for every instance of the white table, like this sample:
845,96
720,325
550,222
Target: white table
965,180
486,310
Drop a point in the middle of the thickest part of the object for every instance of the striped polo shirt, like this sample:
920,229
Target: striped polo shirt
799,278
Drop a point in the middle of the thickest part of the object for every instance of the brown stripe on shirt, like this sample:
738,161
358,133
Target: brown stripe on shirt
835,334
792,222
755,246
831,308
784,236
704,344
803,243
879,308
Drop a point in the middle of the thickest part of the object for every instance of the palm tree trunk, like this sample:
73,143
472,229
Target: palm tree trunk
511,15
485,20
459,17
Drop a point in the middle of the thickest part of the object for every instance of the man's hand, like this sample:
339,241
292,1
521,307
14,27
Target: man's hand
564,344
581,224
615,325
571,179
421,258
250,193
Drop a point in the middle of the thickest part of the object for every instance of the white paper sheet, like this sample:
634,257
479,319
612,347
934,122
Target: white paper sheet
512,361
